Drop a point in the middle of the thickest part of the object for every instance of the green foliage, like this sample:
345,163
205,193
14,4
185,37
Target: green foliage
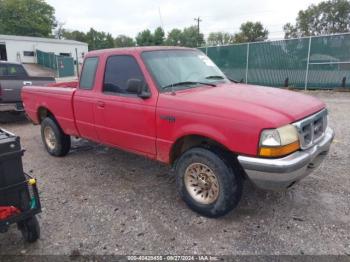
145,38
174,37
220,38
327,17
99,40
74,35
191,38
251,32
94,39
27,18
188,37
159,36
124,41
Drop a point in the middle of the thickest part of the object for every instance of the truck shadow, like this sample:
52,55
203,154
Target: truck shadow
13,117
141,173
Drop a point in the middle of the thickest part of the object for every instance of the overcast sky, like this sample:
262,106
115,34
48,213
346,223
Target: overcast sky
130,17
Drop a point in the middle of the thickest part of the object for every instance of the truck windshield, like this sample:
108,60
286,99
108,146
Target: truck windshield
182,69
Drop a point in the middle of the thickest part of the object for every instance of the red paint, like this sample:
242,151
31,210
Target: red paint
231,114
8,211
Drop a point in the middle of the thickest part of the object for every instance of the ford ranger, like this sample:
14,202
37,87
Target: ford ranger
174,105
13,77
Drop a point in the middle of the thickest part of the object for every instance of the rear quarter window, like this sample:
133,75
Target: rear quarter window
3,70
12,70
88,74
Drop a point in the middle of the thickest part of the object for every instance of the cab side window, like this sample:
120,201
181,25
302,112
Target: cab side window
119,69
87,79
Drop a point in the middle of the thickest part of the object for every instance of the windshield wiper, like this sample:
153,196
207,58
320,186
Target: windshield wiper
187,83
221,77
235,81
215,77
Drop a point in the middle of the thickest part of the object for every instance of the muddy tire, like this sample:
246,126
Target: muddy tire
207,182
56,142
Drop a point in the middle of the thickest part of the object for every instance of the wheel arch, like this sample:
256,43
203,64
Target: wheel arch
188,141
44,112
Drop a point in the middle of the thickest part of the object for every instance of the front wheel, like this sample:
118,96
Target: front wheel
207,183
56,142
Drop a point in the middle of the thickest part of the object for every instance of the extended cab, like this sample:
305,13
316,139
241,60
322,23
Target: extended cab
13,77
175,106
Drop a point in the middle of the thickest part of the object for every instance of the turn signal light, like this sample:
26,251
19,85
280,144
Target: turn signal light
279,151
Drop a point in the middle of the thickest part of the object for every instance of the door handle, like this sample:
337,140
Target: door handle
27,83
101,104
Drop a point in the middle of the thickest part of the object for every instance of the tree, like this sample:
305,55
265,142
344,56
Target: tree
59,31
144,38
175,37
191,38
220,38
327,17
124,41
74,35
158,36
251,32
99,40
27,18
109,41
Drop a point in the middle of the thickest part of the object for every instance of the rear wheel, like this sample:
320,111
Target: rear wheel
56,142
207,182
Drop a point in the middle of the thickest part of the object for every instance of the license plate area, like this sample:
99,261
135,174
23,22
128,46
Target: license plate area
19,106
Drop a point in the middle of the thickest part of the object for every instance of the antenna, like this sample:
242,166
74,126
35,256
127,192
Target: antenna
160,18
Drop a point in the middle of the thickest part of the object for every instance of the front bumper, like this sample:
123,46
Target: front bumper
5,107
282,173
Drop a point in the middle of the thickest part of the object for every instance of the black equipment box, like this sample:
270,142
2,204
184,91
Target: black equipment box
11,172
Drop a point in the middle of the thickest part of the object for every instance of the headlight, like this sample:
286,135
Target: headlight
279,142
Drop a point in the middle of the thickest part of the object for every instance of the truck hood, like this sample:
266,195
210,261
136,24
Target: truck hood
272,106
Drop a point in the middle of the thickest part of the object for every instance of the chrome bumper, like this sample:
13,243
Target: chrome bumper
282,173
11,107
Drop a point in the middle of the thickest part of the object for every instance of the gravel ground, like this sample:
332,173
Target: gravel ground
99,200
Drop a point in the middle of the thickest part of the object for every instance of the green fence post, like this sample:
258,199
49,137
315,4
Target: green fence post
307,64
57,67
247,65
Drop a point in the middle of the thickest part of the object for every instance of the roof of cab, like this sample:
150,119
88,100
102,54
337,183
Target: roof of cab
9,63
139,49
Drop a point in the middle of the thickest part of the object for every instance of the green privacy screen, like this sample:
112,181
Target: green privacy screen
316,62
46,59
63,65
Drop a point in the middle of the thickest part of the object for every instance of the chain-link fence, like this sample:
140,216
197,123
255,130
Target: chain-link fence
310,62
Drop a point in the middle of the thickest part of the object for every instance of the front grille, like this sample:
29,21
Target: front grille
312,129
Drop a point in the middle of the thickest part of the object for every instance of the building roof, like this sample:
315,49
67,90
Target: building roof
40,39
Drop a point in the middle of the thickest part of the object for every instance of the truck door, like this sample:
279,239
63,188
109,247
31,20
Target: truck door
84,100
13,79
123,119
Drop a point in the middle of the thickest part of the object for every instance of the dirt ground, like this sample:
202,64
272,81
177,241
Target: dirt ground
99,200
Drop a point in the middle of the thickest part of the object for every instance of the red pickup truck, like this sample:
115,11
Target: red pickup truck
175,106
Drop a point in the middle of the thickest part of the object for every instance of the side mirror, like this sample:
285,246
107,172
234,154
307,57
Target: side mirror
138,87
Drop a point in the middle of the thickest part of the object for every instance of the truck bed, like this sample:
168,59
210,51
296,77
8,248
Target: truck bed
58,100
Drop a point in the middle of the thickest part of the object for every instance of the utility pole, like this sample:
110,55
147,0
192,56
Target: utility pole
198,20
